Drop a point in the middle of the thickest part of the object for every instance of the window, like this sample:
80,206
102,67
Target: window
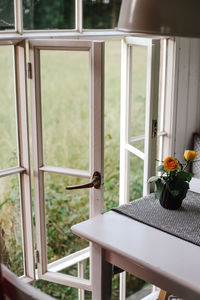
51,63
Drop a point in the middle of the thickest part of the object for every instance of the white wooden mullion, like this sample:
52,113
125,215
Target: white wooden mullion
152,89
37,142
67,280
66,171
96,105
12,171
135,151
80,267
18,13
124,122
162,98
24,158
69,260
79,15
97,124
125,111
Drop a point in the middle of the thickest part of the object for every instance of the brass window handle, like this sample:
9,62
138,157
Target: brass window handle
96,183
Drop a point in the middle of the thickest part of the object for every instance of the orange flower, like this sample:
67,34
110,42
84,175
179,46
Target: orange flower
190,155
170,164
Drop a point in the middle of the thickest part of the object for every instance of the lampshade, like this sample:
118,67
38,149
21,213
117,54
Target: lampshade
161,17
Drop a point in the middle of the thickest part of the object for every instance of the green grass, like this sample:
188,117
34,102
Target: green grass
66,139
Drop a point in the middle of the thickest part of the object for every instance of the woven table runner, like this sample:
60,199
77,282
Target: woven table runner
183,223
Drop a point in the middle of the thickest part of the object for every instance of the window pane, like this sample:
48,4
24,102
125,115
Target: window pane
65,98
138,88
47,14
8,140
100,14
7,14
136,177
112,121
10,224
64,209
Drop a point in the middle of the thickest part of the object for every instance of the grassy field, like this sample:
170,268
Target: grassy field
66,132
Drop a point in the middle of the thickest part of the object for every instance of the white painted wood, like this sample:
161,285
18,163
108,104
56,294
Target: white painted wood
66,171
152,88
11,171
124,123
10,39
162,97
79,15
24,158
96,51
97,124
182,95
152,94
142,137
81,292
18,13
101,274
67,280
135,151
122,288
195,185
170,98
158,257
14,288
37,143
69,260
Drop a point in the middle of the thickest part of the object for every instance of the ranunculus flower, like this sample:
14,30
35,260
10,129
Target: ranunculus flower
171,164
190,155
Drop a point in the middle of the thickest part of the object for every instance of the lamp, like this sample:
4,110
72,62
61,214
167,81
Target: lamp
161,17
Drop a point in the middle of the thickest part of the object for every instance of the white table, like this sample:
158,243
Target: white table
155,256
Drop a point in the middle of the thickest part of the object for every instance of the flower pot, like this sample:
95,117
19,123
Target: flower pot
168,201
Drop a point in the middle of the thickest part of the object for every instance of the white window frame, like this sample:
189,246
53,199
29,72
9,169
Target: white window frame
19,36
96,104
23,168
152,96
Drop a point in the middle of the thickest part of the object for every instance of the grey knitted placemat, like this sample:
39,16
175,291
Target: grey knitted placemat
183,223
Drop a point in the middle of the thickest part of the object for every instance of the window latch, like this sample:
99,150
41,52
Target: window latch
154,128
95,182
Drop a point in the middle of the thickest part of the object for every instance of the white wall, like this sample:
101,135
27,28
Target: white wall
182,109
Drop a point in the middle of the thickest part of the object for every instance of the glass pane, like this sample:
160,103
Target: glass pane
64,209
47,14
7,15
136,177
8,141
57,291
100,14
138,88
10,225
112,121
65,94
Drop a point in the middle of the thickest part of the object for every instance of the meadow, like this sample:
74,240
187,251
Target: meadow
65,140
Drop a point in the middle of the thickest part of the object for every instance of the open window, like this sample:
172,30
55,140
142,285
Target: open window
90,149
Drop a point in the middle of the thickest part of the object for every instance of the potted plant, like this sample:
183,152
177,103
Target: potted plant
173,183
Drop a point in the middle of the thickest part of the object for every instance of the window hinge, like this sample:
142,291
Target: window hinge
29,70
37,256
154,128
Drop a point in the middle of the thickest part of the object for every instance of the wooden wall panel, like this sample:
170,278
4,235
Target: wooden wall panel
182,114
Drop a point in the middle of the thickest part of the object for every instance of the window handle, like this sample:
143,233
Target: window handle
96,183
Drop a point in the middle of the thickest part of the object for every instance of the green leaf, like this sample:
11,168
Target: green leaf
161,169
153,179
159,187
184,176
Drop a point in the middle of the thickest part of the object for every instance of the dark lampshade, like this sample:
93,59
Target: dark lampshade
161,17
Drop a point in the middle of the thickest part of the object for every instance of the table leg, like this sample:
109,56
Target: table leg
101,274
